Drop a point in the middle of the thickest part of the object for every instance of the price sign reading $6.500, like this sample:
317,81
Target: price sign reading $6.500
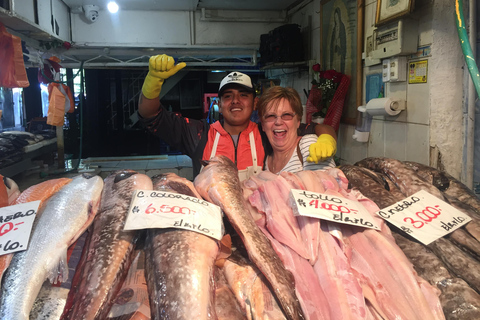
161,209
15,226
424,217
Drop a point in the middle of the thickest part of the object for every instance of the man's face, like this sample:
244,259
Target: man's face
236,106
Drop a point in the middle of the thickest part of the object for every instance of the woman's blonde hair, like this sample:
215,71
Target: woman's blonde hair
272,97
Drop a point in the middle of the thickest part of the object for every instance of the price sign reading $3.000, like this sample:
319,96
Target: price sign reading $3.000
161,209
15,226
332,208
424,217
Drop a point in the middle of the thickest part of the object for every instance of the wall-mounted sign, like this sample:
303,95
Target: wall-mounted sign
417,71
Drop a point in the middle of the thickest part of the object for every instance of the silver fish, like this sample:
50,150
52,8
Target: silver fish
50,303
110,249
179,265
218,183
65,216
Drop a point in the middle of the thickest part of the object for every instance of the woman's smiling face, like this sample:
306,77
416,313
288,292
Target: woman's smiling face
280,124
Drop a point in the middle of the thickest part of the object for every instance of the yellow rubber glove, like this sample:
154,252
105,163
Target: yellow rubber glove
324,148
160,67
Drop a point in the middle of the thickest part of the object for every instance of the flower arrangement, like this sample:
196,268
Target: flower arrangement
327,81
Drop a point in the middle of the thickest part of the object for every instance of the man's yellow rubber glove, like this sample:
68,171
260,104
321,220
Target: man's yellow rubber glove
324,148
160,68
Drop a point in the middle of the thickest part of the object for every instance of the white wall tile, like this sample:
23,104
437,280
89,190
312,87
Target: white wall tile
395,140
376,142
418,103
417,147
350,150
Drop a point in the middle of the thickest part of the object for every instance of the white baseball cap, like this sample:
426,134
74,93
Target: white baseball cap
236,78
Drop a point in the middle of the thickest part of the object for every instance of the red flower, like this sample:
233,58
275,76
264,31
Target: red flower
338,77
330,74
316,67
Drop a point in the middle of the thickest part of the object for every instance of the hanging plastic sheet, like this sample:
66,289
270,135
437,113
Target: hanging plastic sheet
12,72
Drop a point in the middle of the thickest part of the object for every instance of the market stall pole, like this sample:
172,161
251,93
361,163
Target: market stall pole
60,147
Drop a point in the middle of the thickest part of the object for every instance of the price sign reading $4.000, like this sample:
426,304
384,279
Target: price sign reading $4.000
161,209
15,226
424,217
332,208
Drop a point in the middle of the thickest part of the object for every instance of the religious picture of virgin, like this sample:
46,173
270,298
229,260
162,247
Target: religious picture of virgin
338,43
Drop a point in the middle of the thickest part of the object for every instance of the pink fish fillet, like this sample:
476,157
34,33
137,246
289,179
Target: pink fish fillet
329,181
309,227
312,298
387,276
281,222
336,277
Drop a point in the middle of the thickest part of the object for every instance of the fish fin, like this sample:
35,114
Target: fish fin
224,251
93,209
59,273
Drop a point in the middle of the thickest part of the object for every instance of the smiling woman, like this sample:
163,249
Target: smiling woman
280,110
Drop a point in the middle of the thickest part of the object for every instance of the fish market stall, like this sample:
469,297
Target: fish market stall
19,148
309,245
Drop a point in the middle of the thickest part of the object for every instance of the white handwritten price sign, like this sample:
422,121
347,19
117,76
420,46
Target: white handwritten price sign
424,217
160,209
332,208
15,226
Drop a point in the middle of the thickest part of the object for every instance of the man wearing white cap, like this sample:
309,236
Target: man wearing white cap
236,136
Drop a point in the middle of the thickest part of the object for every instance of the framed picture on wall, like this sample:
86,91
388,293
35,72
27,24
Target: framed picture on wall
388,10
338,45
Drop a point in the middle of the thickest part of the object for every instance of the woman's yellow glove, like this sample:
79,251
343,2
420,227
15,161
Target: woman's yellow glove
160,67
324,148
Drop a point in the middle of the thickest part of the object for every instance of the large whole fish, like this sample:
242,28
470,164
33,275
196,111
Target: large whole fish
226,306
250,289
446,183
110,249
403,176
459,300
179,265
218,183
41,191
64,217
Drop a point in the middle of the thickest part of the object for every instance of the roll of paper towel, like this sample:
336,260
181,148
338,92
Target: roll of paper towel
384,107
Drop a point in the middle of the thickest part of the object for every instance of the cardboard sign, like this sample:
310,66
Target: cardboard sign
424,217
16,225
332,208
161,209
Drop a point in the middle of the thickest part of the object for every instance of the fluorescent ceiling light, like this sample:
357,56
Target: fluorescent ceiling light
112,7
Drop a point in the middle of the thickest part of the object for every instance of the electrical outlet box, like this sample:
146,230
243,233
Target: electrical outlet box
386,70
394,69
398,69
397,38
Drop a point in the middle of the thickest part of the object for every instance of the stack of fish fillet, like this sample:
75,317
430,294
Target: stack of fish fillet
336,271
